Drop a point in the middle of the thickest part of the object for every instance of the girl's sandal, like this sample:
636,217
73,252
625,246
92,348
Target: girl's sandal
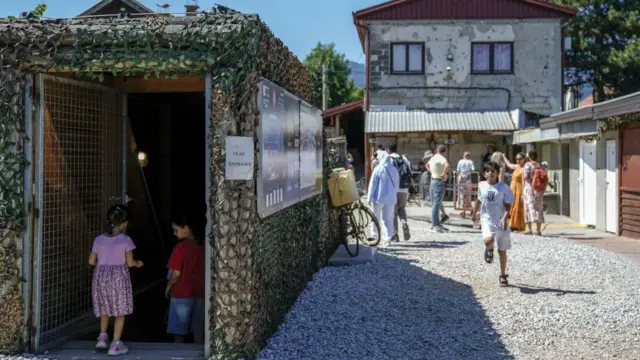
539,233
528,233
503,280
488,255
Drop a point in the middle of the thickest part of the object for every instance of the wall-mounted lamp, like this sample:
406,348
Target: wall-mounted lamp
142,159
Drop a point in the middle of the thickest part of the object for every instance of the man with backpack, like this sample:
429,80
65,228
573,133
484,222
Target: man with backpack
404,169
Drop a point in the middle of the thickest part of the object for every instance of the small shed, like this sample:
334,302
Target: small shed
78,98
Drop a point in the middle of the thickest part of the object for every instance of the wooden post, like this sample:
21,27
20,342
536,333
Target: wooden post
367,158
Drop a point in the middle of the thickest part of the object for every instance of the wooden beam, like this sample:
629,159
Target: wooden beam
162,85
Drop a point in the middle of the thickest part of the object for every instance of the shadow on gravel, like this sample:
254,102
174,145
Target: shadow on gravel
533,290
429,245
389,309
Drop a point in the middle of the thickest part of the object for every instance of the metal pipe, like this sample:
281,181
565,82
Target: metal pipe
448,88
125,140
37,248
208,251
27,273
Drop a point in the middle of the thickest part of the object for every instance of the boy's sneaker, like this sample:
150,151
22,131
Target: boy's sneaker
444,219
437,229
117,348
405,231
103,342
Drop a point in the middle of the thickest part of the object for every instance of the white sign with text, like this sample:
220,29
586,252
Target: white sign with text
239,163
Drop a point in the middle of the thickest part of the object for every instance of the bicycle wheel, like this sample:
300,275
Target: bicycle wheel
346,231
362,219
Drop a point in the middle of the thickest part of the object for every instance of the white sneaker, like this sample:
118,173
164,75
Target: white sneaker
103,342
437,230
117,348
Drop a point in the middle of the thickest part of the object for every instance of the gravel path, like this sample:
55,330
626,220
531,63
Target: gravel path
434,298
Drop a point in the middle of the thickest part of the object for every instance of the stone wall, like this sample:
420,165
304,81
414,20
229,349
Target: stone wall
261,265
11,209
535,85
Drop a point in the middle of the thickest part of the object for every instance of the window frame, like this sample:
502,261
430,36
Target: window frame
406,45
492,70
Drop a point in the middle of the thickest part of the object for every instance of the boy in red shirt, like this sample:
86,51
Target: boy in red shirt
187,283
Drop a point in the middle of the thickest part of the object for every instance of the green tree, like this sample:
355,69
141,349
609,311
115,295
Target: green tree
341,87
605,47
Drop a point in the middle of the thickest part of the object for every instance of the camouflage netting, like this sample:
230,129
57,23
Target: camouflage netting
11,208
262,265
259,267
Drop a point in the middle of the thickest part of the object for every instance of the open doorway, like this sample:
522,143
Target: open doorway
170,130
80,169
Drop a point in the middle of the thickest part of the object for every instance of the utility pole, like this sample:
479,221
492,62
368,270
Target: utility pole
325,87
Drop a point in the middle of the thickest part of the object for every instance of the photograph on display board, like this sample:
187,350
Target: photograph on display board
274,165
292,140
310,148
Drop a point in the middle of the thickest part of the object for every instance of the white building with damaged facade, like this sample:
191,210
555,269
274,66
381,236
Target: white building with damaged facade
462,73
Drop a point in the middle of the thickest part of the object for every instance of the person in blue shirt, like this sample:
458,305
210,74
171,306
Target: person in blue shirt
382,195
494,202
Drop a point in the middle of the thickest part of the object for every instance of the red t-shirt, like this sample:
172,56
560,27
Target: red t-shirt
188,258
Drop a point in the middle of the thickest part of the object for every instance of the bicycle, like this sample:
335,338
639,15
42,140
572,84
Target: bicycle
356,220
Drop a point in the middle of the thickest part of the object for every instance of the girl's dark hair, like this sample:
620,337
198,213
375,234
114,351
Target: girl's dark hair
489,165
533,155
522,155
195,221
116,216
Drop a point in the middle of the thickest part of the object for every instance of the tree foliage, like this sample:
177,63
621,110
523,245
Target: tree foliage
605,46
341,88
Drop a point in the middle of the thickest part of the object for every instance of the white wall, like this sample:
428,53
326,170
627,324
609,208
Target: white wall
535,85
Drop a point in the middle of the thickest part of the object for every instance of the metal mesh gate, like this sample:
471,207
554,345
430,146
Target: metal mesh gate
79,165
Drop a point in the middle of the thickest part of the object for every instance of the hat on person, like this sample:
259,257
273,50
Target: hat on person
427,154
545,164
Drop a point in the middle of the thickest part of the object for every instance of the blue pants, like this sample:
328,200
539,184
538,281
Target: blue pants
436,190
186,316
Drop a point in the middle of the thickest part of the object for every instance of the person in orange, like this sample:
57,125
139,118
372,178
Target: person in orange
516,223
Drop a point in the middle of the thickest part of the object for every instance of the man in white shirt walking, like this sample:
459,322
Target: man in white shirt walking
464,169
438,166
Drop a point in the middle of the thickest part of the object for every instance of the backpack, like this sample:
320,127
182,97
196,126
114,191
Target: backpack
404,171
540,179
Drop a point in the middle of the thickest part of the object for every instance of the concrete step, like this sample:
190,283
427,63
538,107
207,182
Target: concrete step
341,257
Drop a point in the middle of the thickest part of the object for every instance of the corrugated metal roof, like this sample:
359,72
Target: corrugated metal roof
426,121
467,9
459,10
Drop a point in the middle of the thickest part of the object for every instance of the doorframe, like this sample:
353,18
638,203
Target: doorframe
27,247
617,189
209,215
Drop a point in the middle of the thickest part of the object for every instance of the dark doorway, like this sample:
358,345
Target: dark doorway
170,130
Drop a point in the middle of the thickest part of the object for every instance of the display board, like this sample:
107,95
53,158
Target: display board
290,145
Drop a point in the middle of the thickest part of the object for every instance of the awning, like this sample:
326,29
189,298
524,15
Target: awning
530,136
437,121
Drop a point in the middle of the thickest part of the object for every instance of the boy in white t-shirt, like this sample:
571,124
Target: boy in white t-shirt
494,202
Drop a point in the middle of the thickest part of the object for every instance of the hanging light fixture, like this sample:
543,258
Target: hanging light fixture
142,159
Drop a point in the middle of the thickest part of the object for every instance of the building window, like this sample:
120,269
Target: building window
407,58
492,58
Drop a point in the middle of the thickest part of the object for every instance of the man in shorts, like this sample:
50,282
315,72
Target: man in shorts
494,202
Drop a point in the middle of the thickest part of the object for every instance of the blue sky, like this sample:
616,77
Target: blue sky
300,24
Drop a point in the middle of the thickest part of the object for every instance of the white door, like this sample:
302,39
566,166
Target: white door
588,182
612,188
